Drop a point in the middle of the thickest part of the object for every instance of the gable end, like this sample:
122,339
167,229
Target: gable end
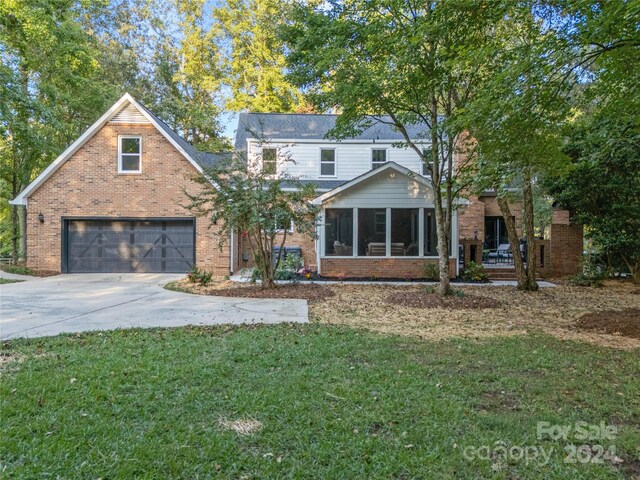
129,114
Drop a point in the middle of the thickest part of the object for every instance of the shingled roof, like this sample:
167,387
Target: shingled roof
303,126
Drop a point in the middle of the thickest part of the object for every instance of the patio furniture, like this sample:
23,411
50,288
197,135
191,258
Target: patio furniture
377,249
504,254
397,249
342,250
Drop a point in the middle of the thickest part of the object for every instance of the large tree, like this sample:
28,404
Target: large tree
516,118
402,63
50,89
603,186
254,56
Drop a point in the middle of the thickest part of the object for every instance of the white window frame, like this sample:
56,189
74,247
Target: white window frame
129,172
386,157
334,163
425,164
262,149
288,230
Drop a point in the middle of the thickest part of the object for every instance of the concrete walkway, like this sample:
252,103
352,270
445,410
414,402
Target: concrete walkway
85,302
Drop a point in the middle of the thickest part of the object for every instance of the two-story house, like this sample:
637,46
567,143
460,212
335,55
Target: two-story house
375,198
114,200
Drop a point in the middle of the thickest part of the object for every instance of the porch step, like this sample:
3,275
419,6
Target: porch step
502,273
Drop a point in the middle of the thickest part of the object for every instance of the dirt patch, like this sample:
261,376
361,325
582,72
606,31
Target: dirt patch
551,310
612,322
311,292
632,469
242,426
432,300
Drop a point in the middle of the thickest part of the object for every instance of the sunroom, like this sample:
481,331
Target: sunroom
381,224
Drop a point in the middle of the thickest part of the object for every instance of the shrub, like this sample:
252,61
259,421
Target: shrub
431,271
474,272
201,277
17,270
591,274
287,268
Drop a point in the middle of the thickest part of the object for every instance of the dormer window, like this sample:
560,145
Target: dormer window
269,161
378,157
129,154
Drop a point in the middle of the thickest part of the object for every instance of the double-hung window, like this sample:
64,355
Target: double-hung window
269,161
378,157
129,154
327,162
427,162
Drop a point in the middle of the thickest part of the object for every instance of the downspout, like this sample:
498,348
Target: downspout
319,241
232,251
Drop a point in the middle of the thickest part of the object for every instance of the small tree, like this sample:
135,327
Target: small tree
239,196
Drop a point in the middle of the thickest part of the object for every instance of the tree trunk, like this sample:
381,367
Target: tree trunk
22,216
527,197
14,234
521,274
444,287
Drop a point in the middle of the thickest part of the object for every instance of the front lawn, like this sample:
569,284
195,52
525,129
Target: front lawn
312,401
8,280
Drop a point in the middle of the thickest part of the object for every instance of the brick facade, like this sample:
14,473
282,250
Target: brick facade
88,184
295,239
566,245
471,217
380,267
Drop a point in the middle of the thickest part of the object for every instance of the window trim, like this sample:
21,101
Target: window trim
288,230
386,157
424,164
335,162
275,162
129,172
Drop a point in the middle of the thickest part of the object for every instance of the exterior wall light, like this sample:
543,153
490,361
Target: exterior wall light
41,217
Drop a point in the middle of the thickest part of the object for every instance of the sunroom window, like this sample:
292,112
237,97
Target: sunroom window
338,232
129,154
405,232
372,228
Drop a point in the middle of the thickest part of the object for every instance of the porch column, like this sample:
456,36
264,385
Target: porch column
355,232
388,233
421,232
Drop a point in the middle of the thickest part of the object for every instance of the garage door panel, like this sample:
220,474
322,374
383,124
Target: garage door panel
130,246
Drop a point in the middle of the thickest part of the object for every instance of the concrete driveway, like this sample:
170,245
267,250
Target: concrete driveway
84,302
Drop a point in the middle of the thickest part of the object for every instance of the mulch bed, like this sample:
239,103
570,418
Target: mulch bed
432,300
612,322
310,292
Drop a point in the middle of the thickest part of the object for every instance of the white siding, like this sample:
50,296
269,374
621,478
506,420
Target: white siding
129,114
388,189
302,160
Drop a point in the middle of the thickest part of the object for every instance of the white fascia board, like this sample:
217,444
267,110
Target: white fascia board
164,134
21,199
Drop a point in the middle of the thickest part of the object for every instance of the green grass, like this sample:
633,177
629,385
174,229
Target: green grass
335,403
17,270
9,280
